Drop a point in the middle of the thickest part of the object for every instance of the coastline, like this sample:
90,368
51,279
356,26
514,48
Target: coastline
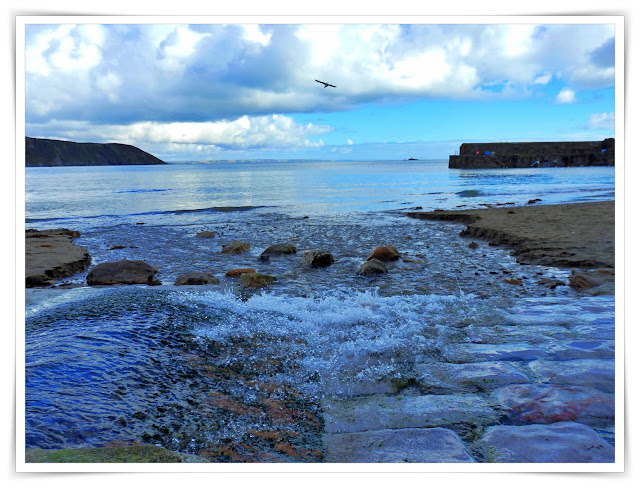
573,235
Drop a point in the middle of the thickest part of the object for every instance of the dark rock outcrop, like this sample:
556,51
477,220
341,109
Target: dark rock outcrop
51,152
196,278
124,272
317,258
51,255
534,154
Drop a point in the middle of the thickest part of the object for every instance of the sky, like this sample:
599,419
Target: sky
186,92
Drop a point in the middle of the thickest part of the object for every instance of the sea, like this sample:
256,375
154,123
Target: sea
234,374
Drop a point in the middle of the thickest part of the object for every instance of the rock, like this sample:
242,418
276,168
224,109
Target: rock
236,247
196,278
544,404
473,245
318,258
279,249
117,246
512,281
124,272
206,234
551,283
236,272
51,255
371,268
435,445
595,282
534,200
411,260
403,411
562,442
255,280
384,253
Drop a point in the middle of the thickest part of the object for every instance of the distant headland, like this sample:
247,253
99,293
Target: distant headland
534,154
51,152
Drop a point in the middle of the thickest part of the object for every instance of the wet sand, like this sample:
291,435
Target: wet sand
577,235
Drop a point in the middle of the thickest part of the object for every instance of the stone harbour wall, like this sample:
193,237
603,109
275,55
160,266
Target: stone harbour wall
534,154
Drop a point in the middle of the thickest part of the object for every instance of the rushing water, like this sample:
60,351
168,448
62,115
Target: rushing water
200,369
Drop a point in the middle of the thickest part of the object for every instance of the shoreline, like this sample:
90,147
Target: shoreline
580,236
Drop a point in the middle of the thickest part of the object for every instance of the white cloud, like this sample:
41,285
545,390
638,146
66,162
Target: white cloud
601,121
349,142
276,131
175,49
543,79
566,95
253,33
119,75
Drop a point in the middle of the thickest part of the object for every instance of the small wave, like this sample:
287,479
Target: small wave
161,212
146,190
213,209
44,219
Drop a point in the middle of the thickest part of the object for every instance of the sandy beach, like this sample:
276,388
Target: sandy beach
577,235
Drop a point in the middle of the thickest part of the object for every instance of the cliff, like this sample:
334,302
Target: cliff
534,154
51,152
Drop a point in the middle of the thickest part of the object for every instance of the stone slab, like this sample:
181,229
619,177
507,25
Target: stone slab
585,349
435,445
562,442
591,373
469,376
466,353
538,403
377,412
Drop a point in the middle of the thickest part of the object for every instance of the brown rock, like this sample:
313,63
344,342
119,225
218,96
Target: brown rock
595,281
318,258
196,278
512,281
371,268
235,273
384,253
255,280
473,245
123,272
279,249
236,247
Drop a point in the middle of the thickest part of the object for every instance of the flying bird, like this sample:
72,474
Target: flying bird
326,84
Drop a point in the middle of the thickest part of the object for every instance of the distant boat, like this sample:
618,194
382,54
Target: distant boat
326,84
